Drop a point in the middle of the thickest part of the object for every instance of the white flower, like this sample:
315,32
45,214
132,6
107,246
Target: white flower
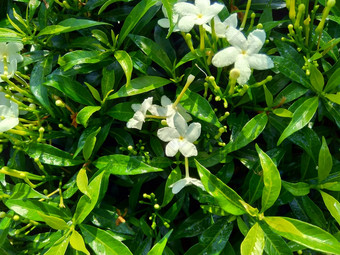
9,57
167,110
165,23
200,13
244,53
221,27
9,112
140,112
179,185
180,137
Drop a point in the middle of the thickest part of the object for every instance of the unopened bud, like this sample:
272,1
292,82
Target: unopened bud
234,73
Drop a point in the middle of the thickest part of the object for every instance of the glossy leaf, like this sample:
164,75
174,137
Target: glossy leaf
85,113
281,112
316,78
268,96
301,117
69,25
290,93
108,80
54,222
226,197
325,162
5,224
90,142
123,165
313,212
24,191
125,62
271,180
333,81
59,247
335,98
333,186
82,182
297,189
253,243
332,205
140,85
158,248
102,242
199,107
77,242
121,111
8,35
305,234
47,154
173,177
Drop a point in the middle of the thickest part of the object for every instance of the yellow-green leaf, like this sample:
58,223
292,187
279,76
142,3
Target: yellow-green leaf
82,182
54,222
77,242
253,243
332,205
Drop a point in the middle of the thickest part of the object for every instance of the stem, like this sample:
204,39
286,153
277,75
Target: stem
186,163
246,14
186,86
202,33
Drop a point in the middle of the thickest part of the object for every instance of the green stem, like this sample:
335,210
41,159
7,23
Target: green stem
186,163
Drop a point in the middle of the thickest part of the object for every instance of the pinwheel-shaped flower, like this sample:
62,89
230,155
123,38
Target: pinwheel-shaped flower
180,137
244,53
198,14
165,22
179,185
221,27
9,112
9,57
140,112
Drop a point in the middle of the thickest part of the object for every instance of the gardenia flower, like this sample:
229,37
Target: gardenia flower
9,57
9,112
221,27
140,112
244,53
179,185
200,13
180,137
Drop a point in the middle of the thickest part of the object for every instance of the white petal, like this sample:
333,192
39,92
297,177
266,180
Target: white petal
197,183
136,107
193,132
231,21
165,23
186,23
139,116
157,110
185,9
187,149
212,10
8,123
236,38
4,101
180,124
167,134
202,4
165,101
184,113
260,62
242,65
146,105
256,40
172,148
179,185
133,123
225,57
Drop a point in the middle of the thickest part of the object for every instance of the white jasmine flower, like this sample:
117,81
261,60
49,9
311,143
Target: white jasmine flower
198,14
167,110
140,112
179,185
165,23
244,53
221,27
9,57
9,112
180,137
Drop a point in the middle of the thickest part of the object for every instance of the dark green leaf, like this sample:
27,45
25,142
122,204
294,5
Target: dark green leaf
325,162
121,111
316,78
173,177
125,62
333,81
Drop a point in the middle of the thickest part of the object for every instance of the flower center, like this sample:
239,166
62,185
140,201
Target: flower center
200,15
2,117
181,138
243,52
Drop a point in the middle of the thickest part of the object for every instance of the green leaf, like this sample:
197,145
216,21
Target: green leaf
54,222
188,57
59,247
8,35
301,116
77,242
268,96
158,248
290,93
125,62
123,165
94,92
153,51
199,107
71,88
82,182
24,191
215,238
333,81
108,80
173,177
106,4
333,186
30,209
5,224
79,57
325,162
313,212
90,142
316,78
253,243
334,111
85,205
102,242
251,130
47,154
226,197
121,111
297,189
271,180
304,233
281,112
69,25
140,85
100,36
335,98
85,113
134,16
332,205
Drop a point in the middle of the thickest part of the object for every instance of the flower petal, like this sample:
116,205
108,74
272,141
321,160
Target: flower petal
202,4
164,23
193,132
231,21
212,10
165,101
136,107
146,104
180,124
167,134
255,40
172,148
236,38
179,185
184,113
186,23
133,123
186,9
225,57
260,62
188,149
8,123
197,183
139,116
242,65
